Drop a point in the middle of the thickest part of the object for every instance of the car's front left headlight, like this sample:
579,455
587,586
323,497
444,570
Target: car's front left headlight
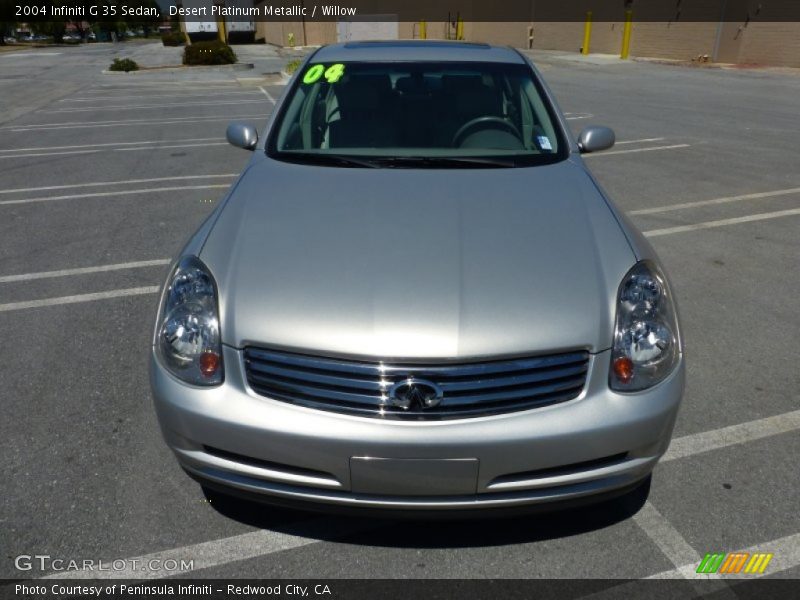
646,339
188,338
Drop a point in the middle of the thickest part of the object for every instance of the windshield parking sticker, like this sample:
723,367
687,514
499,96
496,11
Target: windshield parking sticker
544,142
332,74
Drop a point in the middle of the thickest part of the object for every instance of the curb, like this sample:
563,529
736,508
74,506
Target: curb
184,68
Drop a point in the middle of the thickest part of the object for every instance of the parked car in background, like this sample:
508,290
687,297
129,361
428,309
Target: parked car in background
416,297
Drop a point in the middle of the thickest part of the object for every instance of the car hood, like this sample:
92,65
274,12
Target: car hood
445,263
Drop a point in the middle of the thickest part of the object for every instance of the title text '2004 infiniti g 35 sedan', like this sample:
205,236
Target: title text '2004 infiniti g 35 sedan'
416,297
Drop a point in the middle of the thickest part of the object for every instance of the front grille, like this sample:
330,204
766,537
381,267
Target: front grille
463,390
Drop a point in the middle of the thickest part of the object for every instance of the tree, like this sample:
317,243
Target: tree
5,28
147,24
7,20
54,27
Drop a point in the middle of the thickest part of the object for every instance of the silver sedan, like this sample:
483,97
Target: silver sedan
417,298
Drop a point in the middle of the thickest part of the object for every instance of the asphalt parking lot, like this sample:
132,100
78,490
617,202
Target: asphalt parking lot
104,177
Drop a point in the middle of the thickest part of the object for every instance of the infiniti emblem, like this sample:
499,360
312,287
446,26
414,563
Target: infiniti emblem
415,394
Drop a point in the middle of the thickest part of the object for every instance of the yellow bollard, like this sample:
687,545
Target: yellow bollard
423,30
587,33
460,29
222,32
626,34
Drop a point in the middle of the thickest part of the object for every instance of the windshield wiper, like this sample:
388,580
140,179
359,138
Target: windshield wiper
313,158
463,162
410,162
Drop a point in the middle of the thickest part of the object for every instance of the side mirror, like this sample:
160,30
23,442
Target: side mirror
594,139
242,135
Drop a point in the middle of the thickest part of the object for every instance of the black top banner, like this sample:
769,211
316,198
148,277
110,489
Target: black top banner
527,11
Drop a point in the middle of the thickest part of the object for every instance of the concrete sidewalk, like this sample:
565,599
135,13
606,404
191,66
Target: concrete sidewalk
562,58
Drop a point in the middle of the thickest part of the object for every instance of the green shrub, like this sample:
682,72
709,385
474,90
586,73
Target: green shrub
123,64
208,53
291,67
173,38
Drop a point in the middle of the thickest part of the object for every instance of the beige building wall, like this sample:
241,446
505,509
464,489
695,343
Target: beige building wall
277,32
566,36
771,44
767,43
606,37
681,40
270,31
325,32
320,32
437,30
502,33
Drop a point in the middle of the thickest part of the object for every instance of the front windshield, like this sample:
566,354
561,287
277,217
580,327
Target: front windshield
393,114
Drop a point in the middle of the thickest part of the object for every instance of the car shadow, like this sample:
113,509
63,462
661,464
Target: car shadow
434,532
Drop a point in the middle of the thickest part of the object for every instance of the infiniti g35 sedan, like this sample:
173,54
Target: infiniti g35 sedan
417,298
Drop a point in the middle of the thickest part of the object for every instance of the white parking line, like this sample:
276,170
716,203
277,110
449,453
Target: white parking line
107,144
722,222
49,153
183,95
180,105
642,141
126,123
672,544
226,550
122,182
28,54
79,298
267,94
723,200
665,536
152,148
84,270
786,555
216,84
261,543
117,193
647,149
706,441
207,144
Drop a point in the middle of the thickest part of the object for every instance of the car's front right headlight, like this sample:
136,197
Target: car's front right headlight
188,336
646,339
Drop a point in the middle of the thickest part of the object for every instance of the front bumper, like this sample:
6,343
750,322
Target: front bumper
601,442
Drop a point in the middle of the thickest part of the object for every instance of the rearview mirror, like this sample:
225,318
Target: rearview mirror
594,139
242,135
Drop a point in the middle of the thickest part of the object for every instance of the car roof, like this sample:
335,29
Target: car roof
416,50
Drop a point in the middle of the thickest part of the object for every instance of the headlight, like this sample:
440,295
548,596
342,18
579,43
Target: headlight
188,333
646,343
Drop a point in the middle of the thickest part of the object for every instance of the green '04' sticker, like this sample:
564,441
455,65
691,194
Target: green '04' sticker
332,74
